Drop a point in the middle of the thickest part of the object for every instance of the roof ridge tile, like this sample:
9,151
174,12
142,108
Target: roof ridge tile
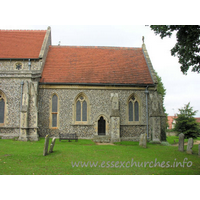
96,47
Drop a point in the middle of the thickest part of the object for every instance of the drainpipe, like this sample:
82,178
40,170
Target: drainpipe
29,64
147,113
22,83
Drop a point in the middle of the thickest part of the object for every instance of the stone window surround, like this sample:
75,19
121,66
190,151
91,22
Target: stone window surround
15,66
3,96
74,122
81,102
50,111
127,111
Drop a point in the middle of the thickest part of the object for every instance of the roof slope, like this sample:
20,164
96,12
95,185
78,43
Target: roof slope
97,65
21,43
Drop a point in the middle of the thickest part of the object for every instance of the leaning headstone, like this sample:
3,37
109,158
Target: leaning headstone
189,146
181,142
199,150
52,144
143,140
46,145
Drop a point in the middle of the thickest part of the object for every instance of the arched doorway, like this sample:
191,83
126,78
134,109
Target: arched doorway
101,126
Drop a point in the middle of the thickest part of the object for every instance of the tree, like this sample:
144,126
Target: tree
186,123
187,48
161,90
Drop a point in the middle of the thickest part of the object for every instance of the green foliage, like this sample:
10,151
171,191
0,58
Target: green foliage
186,123
160,87
187,48
161,90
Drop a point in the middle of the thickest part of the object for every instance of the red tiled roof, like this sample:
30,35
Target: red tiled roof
198,119
104,65
21,43
170,120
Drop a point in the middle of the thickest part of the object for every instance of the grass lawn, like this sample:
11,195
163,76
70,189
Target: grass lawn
175,139
19,158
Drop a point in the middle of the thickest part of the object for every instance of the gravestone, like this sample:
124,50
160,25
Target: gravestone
181,142
46,145
189,146
143,140
199,150
52,145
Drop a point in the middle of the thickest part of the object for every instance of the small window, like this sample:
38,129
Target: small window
133,109
78,111
3,101
18,66
81,109
54,111
84,112
2,110
136,111
130,111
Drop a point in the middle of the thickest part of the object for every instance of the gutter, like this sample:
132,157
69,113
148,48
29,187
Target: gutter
22,83
19,59
99,84
147,111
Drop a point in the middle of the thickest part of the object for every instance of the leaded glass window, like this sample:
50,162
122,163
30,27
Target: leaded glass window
130,111
133,110
2,109
81,109
84,112
54,103
136,111
54,110
78,111
54,120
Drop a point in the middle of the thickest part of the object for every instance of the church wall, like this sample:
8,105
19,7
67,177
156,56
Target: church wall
99,104
10,84
12,90
10,66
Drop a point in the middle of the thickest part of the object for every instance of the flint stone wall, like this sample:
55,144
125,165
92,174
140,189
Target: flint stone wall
11,87
99,104
12,90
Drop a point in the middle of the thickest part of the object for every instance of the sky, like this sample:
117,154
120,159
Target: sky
180,89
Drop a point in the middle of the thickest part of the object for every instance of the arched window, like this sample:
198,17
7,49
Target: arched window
81,109
133,109
54,111
2,110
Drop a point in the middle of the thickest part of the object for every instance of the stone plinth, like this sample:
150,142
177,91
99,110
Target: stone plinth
52,145
143,140
189,146
46,145
181,142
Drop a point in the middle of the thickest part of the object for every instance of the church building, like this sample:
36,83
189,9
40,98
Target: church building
107,94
